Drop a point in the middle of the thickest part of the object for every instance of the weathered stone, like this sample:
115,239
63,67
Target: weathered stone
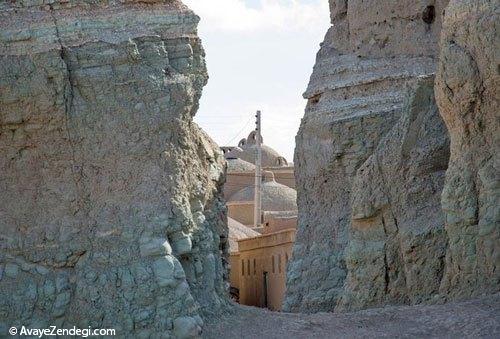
11,270
97,100
41,270
397,242
60,304
164,271
155,247
356,95
181,243
187,327
178,270
468,92
372,152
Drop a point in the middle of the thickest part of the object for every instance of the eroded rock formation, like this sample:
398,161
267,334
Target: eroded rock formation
468,95
397,242
373,53
101,224
372,153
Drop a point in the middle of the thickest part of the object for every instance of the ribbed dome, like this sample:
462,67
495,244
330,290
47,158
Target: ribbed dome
238,231
239,165
275,197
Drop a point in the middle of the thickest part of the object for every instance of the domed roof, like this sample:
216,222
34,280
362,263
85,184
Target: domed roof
275,196
247,148
238,231
232,152
270,158
239,165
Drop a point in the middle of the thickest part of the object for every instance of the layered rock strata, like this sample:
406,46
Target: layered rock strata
468,95
101,224
397,242
359,155
389,228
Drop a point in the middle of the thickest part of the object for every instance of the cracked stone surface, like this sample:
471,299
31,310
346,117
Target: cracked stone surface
359,119
100,223
468,95
372,153
397,241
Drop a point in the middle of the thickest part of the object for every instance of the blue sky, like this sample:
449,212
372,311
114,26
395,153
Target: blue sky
260,54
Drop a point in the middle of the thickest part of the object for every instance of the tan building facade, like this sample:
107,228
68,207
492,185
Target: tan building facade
259,268
241,211
237,231
275,221
258,262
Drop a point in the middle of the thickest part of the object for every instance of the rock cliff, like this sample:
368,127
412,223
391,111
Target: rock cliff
397,242
370,160
364,177
468,95
100,223
378,222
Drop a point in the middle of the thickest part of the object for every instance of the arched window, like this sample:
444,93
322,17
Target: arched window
242,267
279,263
272,258
248,266
254,267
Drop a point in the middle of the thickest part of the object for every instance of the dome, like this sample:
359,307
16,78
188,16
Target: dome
275,196
247,149
238,231
232,152
229,149
270,158
239,165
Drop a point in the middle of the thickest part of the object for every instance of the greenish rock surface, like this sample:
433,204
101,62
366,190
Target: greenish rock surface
96,133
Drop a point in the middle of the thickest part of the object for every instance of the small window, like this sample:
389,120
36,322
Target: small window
242,267
273,263
248,266
254,267
279,263
286,258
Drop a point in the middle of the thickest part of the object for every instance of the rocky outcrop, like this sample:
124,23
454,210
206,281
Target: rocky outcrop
356,126
468,92
100,223
397,242
372,153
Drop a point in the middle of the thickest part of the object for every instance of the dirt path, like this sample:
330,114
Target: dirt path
474,318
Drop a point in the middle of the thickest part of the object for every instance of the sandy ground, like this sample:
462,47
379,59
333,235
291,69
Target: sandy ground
473,318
